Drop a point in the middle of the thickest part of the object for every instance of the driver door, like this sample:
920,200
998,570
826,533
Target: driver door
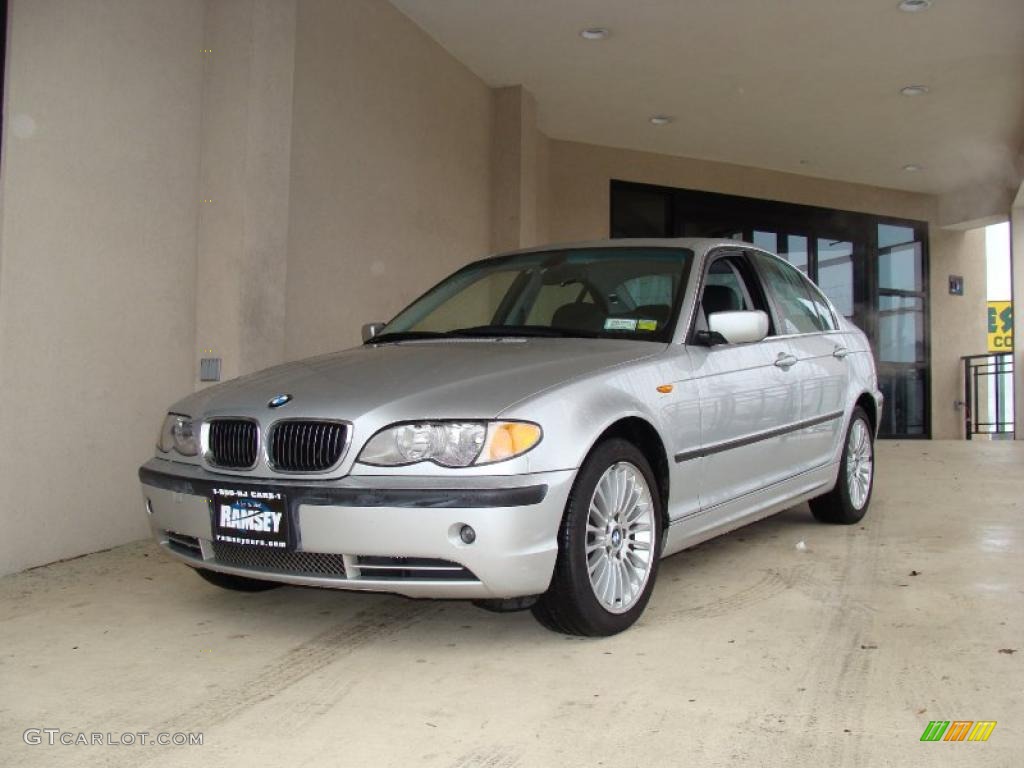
748,393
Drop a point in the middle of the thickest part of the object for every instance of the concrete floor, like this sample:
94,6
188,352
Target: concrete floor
751,652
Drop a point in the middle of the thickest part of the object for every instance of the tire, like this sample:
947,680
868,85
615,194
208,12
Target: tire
628,563
849,499
236,583
506,605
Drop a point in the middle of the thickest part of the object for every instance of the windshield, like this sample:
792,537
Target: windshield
609,292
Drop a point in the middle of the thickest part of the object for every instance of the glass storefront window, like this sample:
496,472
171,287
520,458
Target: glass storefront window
904,411
767,240
900,329
835,273
899,267
891,234
796,252
645,216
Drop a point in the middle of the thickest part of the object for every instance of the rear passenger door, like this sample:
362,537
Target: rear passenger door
807,321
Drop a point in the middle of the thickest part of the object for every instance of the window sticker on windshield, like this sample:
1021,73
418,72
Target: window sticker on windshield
620,324
647,325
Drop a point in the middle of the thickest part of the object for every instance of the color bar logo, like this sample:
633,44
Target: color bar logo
958,730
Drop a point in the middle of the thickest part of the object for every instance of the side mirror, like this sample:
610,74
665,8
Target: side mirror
738,327
372,329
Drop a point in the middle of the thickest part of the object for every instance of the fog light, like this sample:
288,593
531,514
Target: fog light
467,534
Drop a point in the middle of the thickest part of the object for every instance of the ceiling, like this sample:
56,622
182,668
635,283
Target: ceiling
805,86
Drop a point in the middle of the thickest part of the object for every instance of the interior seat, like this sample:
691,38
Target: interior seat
716,298
578,316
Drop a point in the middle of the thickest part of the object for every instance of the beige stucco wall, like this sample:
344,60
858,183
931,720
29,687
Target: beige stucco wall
580,175
519,172
390,170
1017,277
97,262
959,324
244,183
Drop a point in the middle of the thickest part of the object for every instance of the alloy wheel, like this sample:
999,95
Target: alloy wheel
620,537
859,464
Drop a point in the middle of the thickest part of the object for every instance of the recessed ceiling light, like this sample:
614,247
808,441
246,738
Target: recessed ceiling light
660,119
912,6
914,90
911,168
595,33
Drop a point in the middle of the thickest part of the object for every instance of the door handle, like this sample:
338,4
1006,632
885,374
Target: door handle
840,351
785,361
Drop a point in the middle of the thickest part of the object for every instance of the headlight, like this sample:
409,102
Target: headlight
450,443
178,433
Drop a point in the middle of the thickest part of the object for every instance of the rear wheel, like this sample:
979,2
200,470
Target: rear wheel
608,545
235,583
848,501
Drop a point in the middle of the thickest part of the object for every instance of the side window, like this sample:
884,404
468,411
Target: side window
725,290
798,312
821,306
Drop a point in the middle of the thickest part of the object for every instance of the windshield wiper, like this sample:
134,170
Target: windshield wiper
541,331
484,332
388,338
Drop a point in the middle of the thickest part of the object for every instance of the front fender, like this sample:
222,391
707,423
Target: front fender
575,416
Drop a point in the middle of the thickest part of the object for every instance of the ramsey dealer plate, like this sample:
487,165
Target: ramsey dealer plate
249,516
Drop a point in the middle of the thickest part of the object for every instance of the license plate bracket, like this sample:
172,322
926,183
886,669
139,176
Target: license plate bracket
251,517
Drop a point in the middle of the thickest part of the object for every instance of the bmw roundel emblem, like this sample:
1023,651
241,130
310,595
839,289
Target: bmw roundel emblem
278,400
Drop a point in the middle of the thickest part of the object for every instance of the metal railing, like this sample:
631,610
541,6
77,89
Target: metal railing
988,395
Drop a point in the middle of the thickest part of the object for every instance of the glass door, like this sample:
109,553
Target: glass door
900,329
835,272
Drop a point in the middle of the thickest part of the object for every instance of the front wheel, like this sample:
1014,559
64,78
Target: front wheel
608,545
848,501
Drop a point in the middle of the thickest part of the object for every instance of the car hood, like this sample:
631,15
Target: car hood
457,378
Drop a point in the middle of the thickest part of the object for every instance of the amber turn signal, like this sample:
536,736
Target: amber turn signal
506,439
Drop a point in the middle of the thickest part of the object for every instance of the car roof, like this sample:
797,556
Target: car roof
696,244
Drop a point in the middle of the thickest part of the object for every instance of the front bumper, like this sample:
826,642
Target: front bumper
384,534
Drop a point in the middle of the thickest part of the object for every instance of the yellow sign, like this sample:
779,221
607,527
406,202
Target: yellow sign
1000,326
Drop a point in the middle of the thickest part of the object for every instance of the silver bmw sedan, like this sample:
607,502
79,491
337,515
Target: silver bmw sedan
534,432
